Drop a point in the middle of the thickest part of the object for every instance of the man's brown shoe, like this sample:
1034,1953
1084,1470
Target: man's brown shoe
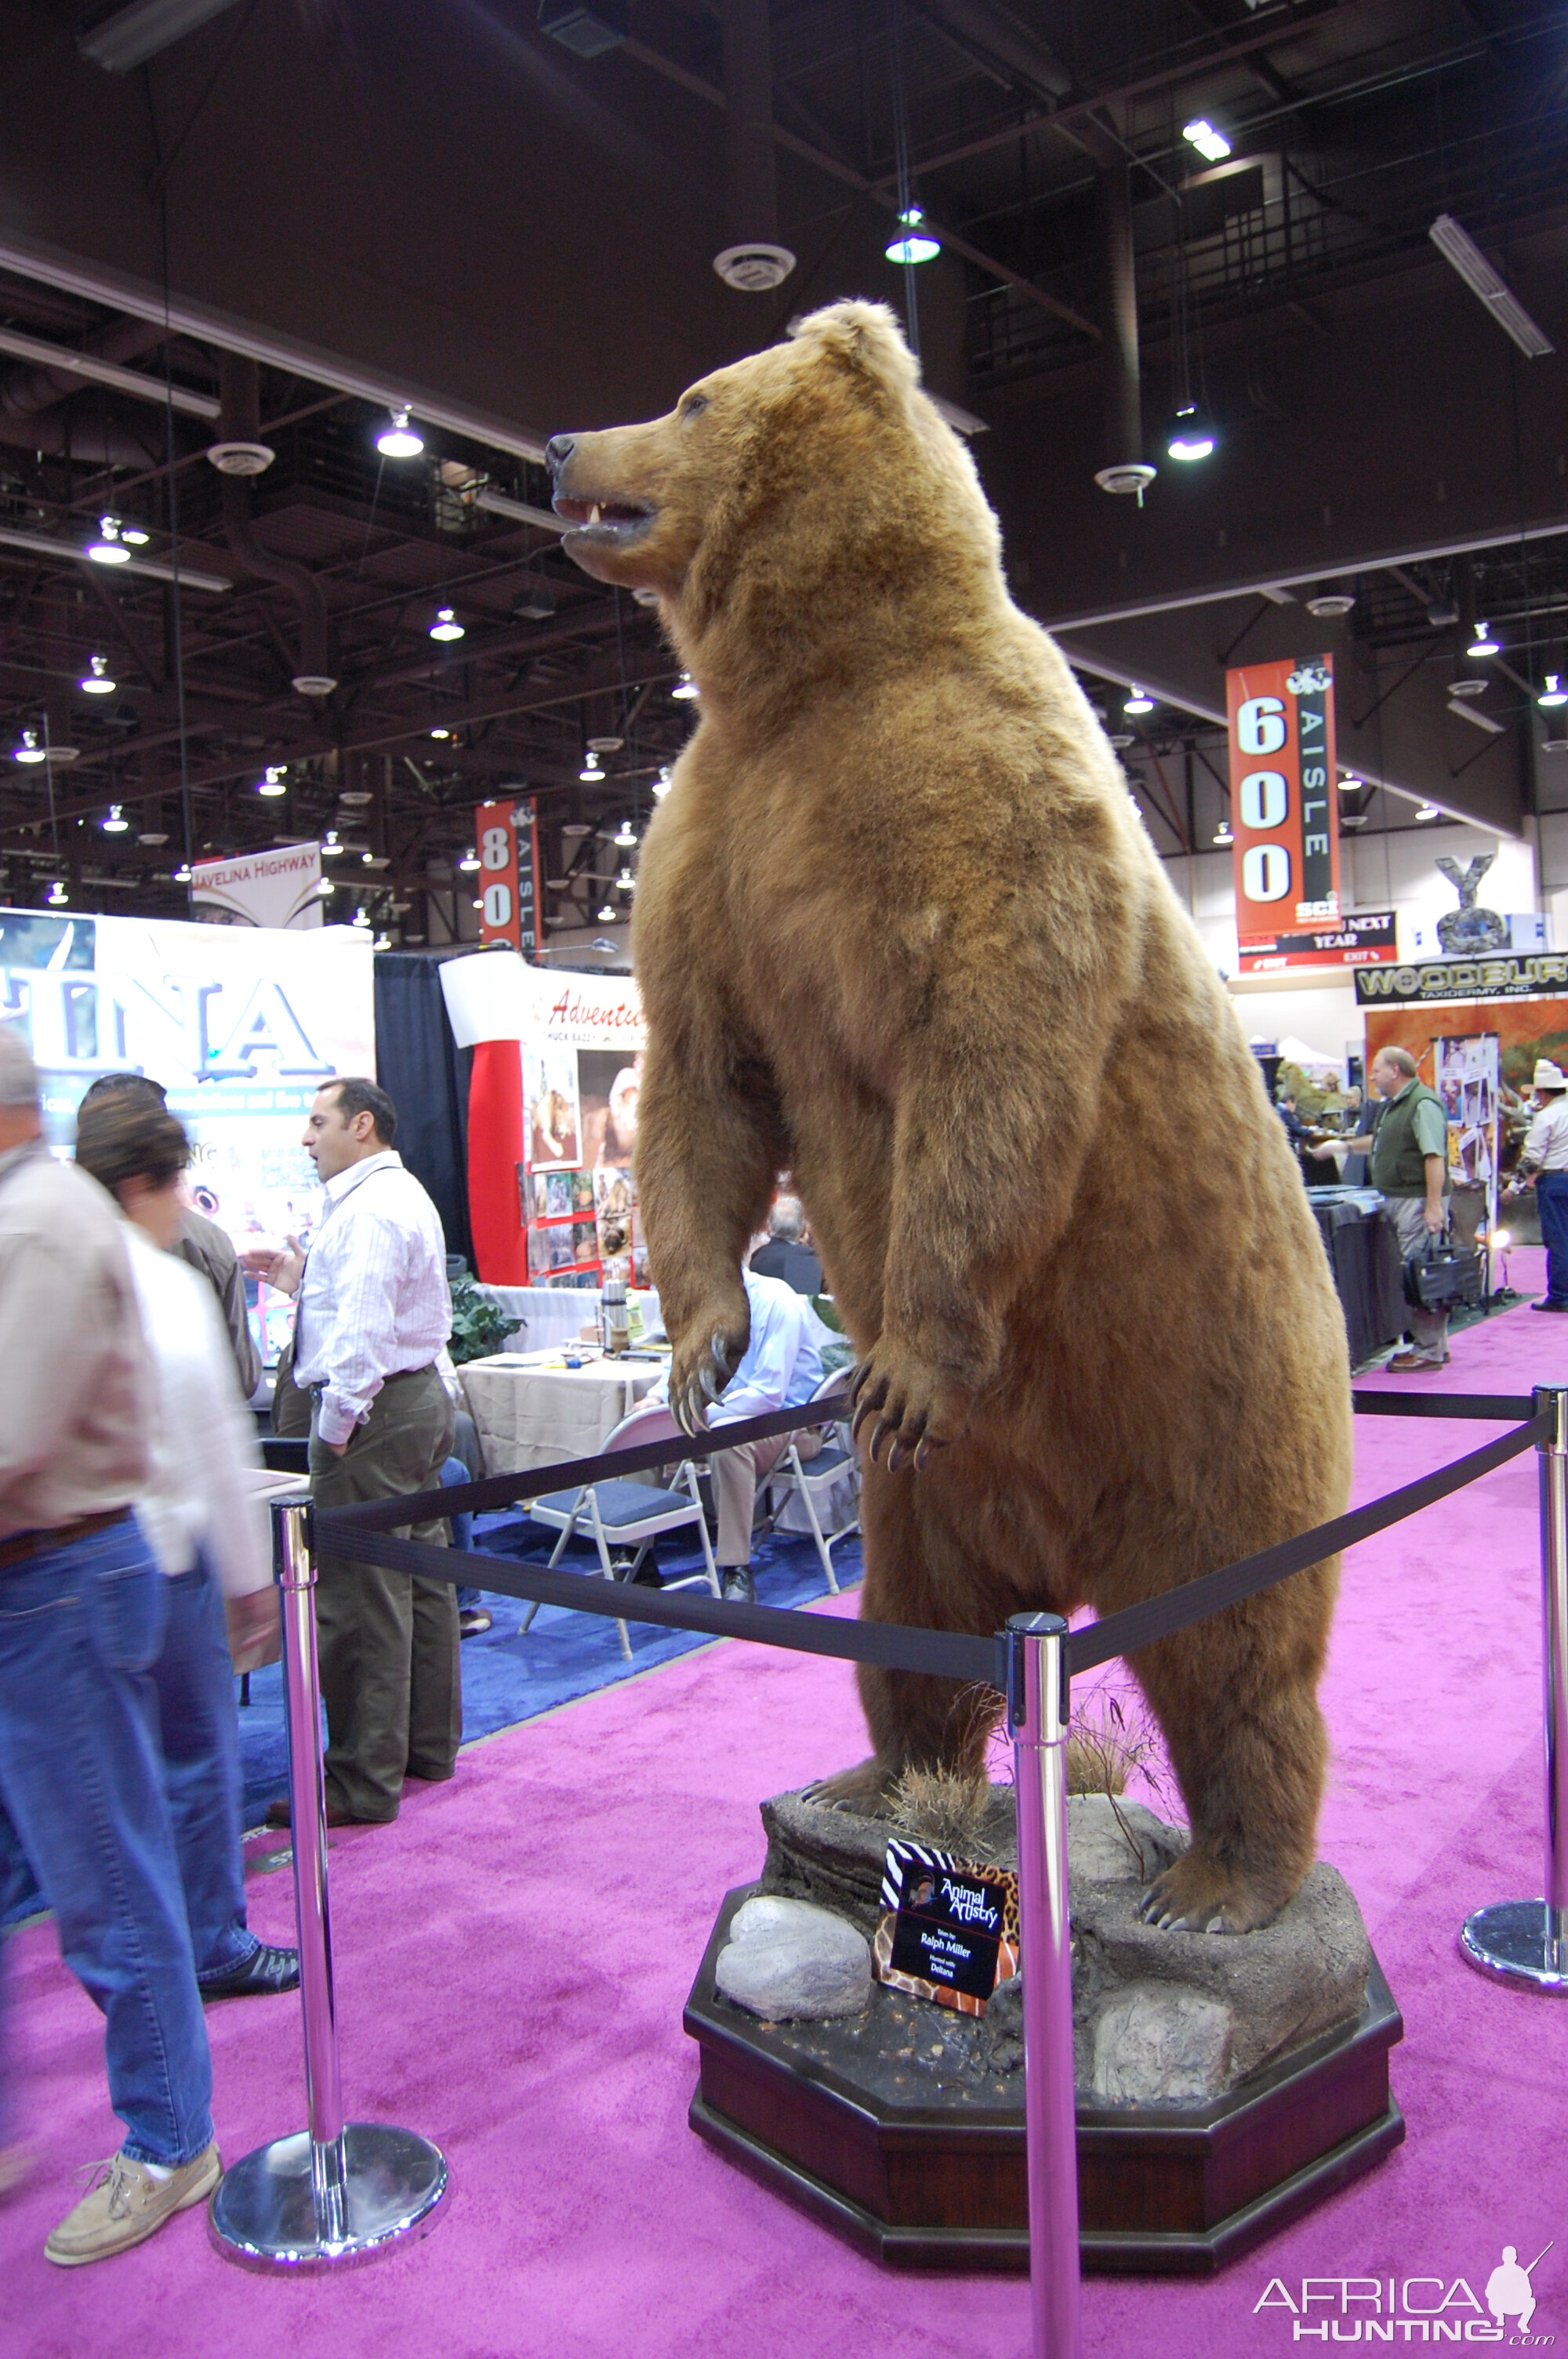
126,2203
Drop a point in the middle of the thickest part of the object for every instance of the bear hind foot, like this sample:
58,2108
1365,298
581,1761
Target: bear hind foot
864,1789
1196,1895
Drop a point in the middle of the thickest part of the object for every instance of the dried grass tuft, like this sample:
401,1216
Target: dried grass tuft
943,1807
1112,1737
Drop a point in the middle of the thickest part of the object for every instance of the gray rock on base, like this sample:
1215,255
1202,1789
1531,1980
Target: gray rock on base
789,1960
1157,2044
1111,1841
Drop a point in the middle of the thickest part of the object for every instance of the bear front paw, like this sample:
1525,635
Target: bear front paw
918,1408
1195,1895
700,1369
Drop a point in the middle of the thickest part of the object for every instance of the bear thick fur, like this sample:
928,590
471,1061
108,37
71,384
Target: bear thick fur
900,931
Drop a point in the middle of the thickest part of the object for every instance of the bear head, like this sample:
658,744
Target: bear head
794,486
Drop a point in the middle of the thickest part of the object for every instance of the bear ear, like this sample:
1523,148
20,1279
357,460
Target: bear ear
866,335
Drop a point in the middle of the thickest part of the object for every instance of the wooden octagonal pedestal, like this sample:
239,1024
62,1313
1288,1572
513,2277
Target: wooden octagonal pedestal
921,2184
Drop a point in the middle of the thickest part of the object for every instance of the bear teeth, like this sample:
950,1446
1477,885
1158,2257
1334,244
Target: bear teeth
593,513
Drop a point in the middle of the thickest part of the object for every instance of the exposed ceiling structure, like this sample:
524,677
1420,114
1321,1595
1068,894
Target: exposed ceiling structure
276,222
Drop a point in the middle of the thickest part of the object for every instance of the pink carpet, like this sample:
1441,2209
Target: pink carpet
513,1954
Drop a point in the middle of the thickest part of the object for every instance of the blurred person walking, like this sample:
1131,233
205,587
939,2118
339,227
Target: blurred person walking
374,1313
209,1249
81,1610
207,1528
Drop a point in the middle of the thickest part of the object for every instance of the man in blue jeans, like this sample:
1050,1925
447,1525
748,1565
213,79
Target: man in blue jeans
82,1619
1544,1160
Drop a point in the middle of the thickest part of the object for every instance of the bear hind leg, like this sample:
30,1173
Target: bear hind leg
1247,1744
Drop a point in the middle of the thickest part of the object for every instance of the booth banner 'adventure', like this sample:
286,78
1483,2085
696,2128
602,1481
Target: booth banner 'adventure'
1282,804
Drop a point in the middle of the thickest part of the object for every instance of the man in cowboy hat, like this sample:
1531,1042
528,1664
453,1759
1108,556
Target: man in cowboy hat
1544,1164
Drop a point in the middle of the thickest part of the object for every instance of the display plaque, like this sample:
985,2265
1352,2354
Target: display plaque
948,1930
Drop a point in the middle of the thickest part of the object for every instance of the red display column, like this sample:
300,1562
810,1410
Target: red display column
495,1150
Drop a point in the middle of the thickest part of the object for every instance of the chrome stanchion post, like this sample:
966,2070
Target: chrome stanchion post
1525,1941
1037,1710
340,2191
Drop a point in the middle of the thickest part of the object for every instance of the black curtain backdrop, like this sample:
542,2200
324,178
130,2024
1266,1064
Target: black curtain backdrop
425,1075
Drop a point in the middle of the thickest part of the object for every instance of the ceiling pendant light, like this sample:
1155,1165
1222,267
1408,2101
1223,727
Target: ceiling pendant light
446,625
109,549
440,735
1136,701
58,895
1350,786
361,920
1553,694
97,681
117,824
1426,810
916,244
608,915
327,885
271,784
1222,834
469,863
1212,145
625,835
400,440
180,876
663,783
1482,643
626,882
330,847
685,689
29,750
590,773
1192,434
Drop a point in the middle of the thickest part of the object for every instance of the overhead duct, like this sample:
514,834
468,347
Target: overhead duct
753,261
1125,468
238,453
32,415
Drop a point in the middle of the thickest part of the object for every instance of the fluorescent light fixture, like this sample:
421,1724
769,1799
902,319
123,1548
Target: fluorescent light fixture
29,751
132,34
96,681
446,624
1553,694
916,244
1482,643
1458,247
117,824
1212,145
271,783
41,545
1426,810
92,370
1136,701
1192,434
683,689
625,834
109,549
400,440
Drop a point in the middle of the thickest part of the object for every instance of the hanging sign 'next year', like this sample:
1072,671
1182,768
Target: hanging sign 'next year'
506,838
1282,800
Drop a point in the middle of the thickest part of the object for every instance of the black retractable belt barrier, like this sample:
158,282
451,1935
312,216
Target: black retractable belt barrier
1502,1409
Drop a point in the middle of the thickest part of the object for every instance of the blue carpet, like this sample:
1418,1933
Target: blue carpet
508,1678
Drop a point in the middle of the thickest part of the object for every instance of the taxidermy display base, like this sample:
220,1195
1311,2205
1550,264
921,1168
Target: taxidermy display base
1225,2085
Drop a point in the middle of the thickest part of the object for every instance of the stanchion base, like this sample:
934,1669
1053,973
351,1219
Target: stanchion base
1510,1940
262,2214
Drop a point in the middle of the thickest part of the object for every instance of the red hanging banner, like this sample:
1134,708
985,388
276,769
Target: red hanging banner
1283,802
506,837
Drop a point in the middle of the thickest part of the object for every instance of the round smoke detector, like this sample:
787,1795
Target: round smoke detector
241,457
754,269
1324,603
312,683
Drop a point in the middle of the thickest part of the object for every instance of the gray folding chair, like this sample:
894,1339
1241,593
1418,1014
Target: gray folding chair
812,1478
623,1512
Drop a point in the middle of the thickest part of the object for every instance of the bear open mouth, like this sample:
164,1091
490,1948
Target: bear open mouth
609,522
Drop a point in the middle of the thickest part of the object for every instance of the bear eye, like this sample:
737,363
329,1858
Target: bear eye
692,404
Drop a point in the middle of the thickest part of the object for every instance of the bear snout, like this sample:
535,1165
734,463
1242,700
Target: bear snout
558,450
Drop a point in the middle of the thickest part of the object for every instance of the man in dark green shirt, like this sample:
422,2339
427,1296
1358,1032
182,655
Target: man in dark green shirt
1410,1169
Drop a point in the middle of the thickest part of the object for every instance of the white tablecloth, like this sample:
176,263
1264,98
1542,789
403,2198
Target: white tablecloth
535,1417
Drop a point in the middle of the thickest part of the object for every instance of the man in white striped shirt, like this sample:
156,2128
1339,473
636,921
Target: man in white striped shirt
375,1311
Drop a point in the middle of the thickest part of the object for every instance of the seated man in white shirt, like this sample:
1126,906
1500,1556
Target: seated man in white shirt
782,1369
